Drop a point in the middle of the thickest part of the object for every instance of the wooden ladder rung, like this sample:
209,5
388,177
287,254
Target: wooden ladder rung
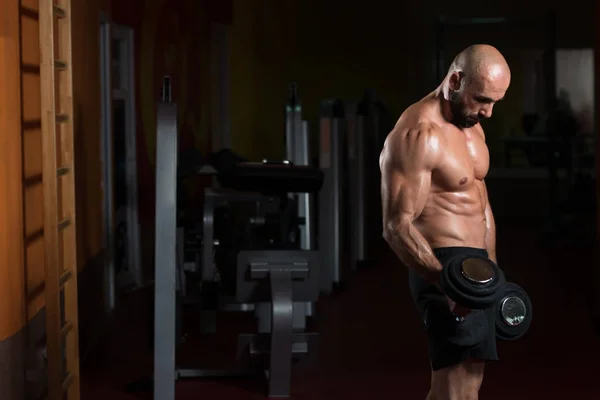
64,278
68,382
30,68
62,171
33,180
37,290
63,224
68,327
33,236
59,11
60,65
60,118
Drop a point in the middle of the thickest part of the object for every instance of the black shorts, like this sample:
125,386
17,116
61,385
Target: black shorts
427,298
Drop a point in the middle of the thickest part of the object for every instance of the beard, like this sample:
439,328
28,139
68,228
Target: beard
460,117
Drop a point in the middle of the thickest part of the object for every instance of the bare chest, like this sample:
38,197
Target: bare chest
466,159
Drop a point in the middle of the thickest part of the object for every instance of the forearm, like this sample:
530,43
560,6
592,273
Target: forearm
413,250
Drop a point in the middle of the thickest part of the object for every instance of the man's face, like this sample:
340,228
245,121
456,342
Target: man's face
474,100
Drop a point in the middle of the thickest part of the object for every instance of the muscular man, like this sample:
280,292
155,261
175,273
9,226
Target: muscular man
435,203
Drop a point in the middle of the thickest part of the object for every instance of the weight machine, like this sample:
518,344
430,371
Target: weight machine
272,283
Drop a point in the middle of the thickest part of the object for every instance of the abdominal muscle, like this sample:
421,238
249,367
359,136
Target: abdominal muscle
453,219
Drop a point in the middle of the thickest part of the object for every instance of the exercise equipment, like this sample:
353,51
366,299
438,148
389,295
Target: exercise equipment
297,143
265,186
292,277
368,124
166,272
332,222
513,312
272,178
298,152
473,282
275,284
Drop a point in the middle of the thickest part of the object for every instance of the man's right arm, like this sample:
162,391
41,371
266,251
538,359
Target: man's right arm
406,163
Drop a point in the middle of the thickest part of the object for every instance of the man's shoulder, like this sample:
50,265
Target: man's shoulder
420,117
421,138
421,128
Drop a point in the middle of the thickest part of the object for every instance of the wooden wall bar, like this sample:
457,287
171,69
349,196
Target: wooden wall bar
11,223
88,168
31,134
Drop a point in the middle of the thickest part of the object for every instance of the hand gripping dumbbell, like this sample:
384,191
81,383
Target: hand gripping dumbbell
479,284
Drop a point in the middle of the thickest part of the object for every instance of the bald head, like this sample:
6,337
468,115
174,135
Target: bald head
477,79
481,62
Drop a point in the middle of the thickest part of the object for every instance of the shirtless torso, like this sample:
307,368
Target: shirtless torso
454,209
435,173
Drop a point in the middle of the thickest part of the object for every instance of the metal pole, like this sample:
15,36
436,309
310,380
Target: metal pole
298,152
305,200
359,185
165,282
293,122
331,204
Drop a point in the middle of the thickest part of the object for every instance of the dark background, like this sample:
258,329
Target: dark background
338,49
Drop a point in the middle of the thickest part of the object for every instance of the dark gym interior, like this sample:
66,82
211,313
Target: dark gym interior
228,196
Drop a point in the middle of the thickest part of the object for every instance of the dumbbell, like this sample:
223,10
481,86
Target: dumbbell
513,313
473,282
476,283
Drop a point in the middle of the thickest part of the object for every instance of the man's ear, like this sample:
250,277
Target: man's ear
456,80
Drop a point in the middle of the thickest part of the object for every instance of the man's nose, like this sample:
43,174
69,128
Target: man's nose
486,112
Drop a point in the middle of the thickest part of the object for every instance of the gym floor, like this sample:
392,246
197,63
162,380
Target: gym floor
372,343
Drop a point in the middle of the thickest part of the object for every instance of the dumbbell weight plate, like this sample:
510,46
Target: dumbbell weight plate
513,313
477,270
478,277
473,282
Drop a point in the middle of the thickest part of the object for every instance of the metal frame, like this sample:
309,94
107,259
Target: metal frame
127,93
331,205
298,152
305,200
293,278
358,153
166,253
297,142
212,199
